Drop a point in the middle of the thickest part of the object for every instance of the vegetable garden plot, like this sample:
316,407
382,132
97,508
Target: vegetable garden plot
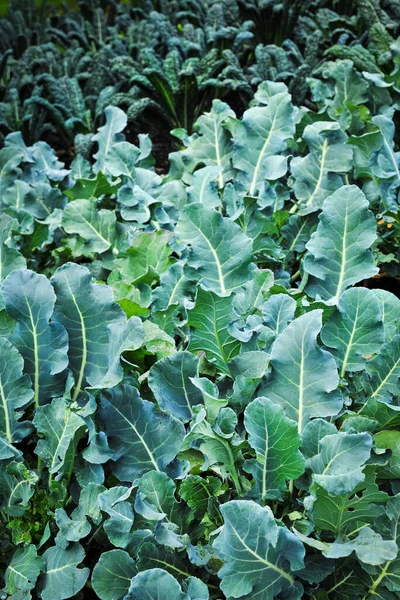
199,399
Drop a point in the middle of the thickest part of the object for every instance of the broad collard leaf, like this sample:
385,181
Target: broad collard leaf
209,320
58,424
345,514
260,558
338,467
15,393
304,376
62,577
115,503
382,372
220,253
107,135
142,438
169,380
175,287
355,330
22,573
17,486
86,310
97,229
211,145
155,584
339,252
277,311
10,258
276,441
390,313
259,137
317,174
147,258
112,575
30,299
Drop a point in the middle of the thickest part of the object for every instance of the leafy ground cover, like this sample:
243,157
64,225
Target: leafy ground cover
199,372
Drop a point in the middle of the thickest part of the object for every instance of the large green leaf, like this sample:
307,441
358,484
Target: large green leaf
143,438
317,174
155,584
10,258
209,319
276,441
58,424
169,380
86,310
29,299
112,575
344,514
146,258
115,503
385,579
16,488
304,376
15,391
338,467
390,313
259,137
383,372
108,135
62,577
355,330
339,252
97,229
259,556
220,253
211,145
23,570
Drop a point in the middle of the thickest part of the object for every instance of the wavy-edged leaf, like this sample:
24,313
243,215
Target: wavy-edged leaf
58,425
276,441
30,299
220,253
23,570
381,378
304,376
339,252
147,258
259,136
112,575
155,584
107,135
390,313
15,392
97,229
355,330
86,310
62,577
169,380
209,320
260,557
143,438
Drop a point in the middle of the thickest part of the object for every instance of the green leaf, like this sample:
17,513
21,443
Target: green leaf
86,310
391,440
108,135
317,174
355,330
97,229
147,258
169,380
209,319
10,258
303,375
383,550
383,372
219,452
155,584
174,288
29,299
23,570
211,145
345,514
259,556
62,577
219,251
15,391
58,424
259,137
390,313
16,488
112,575
338,467
276,441
339,252
143,438
277,311
199,491
114,502
204,188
